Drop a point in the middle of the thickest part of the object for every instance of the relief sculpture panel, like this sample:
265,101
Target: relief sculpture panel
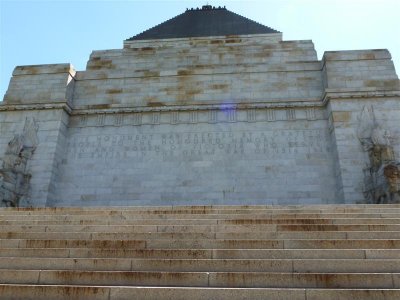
382,173
14,171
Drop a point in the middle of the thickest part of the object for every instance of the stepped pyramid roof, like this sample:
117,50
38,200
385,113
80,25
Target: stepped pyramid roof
202,22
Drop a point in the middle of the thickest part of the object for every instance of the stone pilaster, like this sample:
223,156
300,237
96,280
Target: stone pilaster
43,93
354,79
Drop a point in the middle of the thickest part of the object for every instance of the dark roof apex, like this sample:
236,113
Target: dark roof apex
207,7
205,21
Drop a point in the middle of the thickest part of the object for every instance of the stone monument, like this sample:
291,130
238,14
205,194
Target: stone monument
382,174
14,176
208,107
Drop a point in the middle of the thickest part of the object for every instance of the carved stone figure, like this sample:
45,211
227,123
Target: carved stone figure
14,176
382,175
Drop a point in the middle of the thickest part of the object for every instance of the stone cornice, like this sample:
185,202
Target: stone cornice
330,94
349,94
19,107
241,106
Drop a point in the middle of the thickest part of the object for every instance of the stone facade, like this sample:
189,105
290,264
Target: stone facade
247,119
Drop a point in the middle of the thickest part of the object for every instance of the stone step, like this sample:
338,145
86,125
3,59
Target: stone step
205,207
59,243
395,208
204,265
203,253
78,292
240,252
347,228
205,244
127,217
198,228
319,221
204,235
172,222
202,279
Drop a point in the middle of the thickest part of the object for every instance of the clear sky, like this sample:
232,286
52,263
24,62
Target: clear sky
46,32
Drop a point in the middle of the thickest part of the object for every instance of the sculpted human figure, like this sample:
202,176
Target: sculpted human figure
14,177
382,176
392,174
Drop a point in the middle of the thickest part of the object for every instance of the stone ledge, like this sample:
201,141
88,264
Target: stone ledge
371,54
271,37
350,93
44,69
38,106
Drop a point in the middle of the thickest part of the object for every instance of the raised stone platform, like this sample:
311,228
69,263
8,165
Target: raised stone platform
201,252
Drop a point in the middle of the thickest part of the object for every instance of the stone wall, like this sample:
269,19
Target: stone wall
113,160
44,93
43,165
42,84
353,80
217,120
200,71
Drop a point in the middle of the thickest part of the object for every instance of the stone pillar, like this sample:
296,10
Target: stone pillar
43,93
354,79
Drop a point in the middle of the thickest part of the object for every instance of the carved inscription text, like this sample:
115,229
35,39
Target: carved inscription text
272,144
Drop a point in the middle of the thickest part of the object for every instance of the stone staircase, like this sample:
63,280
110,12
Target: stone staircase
201,252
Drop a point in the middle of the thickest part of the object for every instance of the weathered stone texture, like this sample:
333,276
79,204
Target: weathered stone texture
41,84
206,163
352,159
213,70
360,69
14,166
42,164
231,119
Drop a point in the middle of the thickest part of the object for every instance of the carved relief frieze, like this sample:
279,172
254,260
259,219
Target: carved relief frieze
251,115
137,119
118,119
223,113
311,114
155,118
193,117
100,119
270,115
83,120
382,173
290,114
174,117
213,116
231,115
14,170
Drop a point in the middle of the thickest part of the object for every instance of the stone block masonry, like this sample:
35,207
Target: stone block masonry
221,163
246,119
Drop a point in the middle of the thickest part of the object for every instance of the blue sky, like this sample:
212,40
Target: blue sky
45,32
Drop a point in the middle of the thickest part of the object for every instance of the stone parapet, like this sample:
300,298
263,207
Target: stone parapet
201,71
360,69
39,84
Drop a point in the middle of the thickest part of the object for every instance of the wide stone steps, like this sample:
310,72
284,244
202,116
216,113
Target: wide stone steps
205,244
126,217
262,235
201,252
195,222
203,265
197,228
201,279
33,292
